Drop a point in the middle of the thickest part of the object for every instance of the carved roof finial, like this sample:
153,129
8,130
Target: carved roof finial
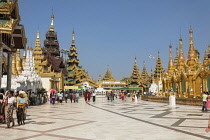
52,22
73,41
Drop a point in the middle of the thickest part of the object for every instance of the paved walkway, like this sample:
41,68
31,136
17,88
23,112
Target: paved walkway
105,120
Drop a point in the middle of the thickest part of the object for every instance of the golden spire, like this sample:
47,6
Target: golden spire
73,41
181,53
158,55
170,63
177,52
18,62
52,23
135,60
38,34
191,53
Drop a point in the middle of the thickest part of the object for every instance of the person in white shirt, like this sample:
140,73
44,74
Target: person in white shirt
94,96
9,103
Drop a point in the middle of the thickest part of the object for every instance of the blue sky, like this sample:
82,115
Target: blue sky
113,32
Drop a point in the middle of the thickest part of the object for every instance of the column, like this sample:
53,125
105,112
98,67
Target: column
204,84
187,89
194,93
1,57
9,70
180,89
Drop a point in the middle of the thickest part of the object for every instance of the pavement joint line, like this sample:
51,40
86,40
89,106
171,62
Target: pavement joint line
159,125
75,138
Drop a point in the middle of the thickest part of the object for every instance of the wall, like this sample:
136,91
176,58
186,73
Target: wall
183,101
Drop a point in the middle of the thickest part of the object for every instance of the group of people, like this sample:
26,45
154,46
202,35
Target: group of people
111,96
72,95
10,101
206,101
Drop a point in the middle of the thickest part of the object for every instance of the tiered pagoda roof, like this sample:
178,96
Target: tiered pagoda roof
176,59
108,76
76,74
145,78
159,70
135,76
51,49
37,53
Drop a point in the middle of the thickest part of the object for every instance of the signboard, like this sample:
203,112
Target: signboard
70,87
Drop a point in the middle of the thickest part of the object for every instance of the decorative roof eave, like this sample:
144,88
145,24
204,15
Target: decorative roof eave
8,7
73,48
73,54
9,26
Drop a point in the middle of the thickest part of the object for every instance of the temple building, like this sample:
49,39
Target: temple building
12,38
48,63
138,81
77,77
108,82
188,77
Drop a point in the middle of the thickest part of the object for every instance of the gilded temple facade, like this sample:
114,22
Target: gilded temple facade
12,38
77,77
188,77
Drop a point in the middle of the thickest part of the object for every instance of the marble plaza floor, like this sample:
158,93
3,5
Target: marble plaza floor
105,120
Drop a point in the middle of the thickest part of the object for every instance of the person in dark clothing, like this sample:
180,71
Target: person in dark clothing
71,97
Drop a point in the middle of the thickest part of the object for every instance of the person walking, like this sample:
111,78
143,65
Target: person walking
89,95
86,95
204,96
9,103
94,96
74,97
208,101
2,118
77,97
53,96
66,97
71,97
122,96
60,98
2,93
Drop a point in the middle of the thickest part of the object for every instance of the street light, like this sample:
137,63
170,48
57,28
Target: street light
150,56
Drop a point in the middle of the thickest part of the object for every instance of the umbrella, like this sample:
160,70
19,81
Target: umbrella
52,90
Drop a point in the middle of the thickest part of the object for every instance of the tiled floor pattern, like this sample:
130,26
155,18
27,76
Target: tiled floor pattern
106,120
